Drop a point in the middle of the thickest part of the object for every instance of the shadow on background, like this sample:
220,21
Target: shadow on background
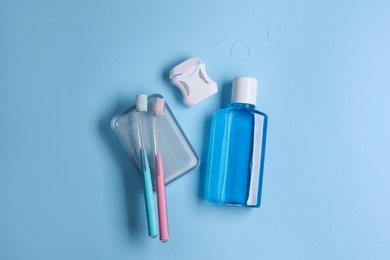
131,180
226,93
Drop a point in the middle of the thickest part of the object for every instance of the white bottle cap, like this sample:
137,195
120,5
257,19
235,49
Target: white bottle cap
244,90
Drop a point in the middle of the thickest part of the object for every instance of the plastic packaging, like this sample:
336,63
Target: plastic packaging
179,155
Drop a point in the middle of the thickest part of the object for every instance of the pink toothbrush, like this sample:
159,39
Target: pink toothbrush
159,110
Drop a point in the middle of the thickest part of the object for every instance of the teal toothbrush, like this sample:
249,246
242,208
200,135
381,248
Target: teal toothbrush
142,106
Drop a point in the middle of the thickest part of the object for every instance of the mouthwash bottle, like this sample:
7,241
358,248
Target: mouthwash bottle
236,150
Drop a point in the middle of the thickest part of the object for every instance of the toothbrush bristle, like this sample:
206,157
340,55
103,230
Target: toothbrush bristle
142,103
159,106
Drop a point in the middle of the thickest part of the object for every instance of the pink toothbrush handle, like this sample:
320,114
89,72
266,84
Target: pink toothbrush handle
161,200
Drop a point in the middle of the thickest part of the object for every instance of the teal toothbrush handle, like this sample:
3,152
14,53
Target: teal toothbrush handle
148,193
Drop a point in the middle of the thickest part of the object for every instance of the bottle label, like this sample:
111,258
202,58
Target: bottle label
256,160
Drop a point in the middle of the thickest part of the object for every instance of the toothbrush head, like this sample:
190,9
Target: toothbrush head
142,103
159,107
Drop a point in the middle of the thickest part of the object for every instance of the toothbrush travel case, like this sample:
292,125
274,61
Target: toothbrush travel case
178,155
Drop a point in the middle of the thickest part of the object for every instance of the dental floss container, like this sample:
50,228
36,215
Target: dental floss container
191,78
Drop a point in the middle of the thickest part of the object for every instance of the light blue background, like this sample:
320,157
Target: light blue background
68,191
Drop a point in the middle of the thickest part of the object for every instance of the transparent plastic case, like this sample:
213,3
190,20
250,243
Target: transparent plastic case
178,155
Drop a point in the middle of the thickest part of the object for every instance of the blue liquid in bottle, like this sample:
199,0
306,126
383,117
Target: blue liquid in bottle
236,152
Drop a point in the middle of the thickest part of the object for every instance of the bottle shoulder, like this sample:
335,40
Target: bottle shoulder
261,113
240,109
